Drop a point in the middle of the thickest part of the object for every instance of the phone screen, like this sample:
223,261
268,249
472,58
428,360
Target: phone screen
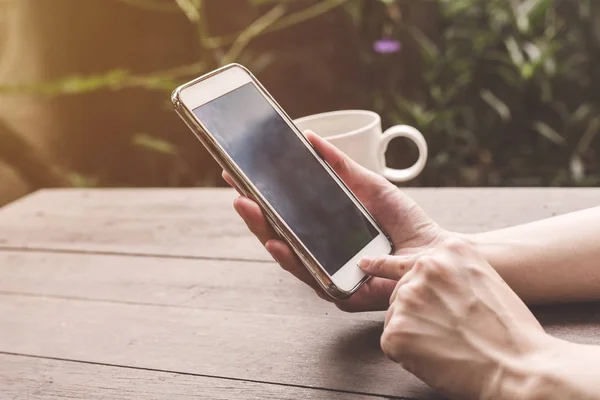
289,177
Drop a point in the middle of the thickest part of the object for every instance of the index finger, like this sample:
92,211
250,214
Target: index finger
389,267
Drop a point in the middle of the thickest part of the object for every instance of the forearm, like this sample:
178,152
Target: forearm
552,260
560,370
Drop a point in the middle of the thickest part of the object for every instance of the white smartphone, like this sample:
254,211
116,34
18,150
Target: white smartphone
272,162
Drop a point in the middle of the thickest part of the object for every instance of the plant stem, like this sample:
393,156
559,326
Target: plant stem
254,30
189,9
286,22
150,5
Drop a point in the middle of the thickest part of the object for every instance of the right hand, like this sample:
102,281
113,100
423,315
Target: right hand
455,324
411,230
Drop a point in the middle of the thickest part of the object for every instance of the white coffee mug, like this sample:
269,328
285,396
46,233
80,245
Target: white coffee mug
358,133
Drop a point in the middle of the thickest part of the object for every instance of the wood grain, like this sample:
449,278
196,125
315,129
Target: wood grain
35,378
295,350
323,352
198,223
210,284
201,223
251,287
228,319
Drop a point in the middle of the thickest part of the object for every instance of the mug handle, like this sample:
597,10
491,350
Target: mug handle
405,131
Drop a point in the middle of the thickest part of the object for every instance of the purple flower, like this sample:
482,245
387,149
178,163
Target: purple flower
387,46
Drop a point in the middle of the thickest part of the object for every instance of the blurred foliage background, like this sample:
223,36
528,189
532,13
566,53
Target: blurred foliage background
507,92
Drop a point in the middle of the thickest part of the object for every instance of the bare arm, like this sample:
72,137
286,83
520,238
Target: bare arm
454,323
559,370
552,260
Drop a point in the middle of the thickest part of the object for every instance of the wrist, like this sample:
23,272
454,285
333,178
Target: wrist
479,242
511,259
533,375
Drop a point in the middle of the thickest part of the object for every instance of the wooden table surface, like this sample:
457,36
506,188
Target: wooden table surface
163,294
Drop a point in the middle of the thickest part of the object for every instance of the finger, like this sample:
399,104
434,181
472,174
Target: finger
286,258
230,182
227,178
254,218
352,173
376,193
405,279
389,267
374,295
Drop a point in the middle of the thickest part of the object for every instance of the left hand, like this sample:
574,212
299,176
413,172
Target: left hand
453,322
410,229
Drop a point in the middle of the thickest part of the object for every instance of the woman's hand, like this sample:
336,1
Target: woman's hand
453,321
410,229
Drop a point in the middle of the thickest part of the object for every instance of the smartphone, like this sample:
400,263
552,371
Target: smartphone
272,163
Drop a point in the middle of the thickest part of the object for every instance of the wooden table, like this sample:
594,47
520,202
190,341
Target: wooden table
163,294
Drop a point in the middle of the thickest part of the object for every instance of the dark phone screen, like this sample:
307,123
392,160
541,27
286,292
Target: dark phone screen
285,172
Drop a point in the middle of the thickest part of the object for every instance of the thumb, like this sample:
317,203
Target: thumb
389,267
349,170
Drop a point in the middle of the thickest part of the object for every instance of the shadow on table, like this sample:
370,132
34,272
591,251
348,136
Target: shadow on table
356,358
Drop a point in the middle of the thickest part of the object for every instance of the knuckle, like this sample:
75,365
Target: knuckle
426,262
389,349
412,295
394,296
422,263
394,340
436,270
340,163
412,290
394,299
434,267
377,264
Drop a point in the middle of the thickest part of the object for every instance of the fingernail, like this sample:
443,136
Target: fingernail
365,262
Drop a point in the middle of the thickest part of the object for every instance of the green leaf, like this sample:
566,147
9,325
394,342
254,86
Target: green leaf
153,5
82,181
525,10
154,144
534,53
429,49
263,2
497,104
516,55
527,71
582,112
588,136
545,130
577,168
